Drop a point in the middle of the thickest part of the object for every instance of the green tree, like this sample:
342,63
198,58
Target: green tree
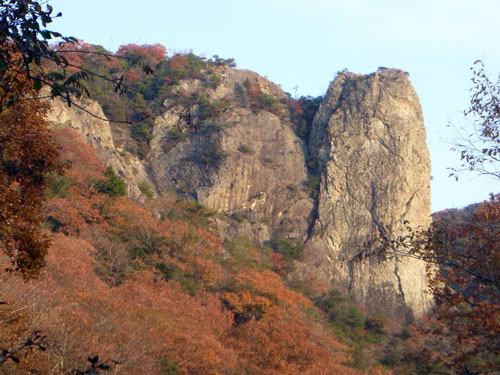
113,186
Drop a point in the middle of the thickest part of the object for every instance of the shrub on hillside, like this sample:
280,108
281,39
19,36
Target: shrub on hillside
113,185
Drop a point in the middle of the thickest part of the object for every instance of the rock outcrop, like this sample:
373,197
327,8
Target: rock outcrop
366,147
97,132
369,141
247,164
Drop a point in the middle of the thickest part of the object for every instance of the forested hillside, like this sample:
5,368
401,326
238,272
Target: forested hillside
153,289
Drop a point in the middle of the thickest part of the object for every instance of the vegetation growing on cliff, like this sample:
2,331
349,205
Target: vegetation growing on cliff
141,96
302,113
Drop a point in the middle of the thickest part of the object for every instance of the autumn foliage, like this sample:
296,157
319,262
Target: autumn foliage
27,154
150,292
461,335
467,290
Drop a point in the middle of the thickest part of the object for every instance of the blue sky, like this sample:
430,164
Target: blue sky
305,42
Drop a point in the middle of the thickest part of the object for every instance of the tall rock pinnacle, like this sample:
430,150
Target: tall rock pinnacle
370,143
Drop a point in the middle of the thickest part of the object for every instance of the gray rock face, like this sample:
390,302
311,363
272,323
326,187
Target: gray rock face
369,140
368,144
255,169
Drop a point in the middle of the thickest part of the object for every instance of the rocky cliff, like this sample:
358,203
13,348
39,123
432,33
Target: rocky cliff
236,150
369,141
246,162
